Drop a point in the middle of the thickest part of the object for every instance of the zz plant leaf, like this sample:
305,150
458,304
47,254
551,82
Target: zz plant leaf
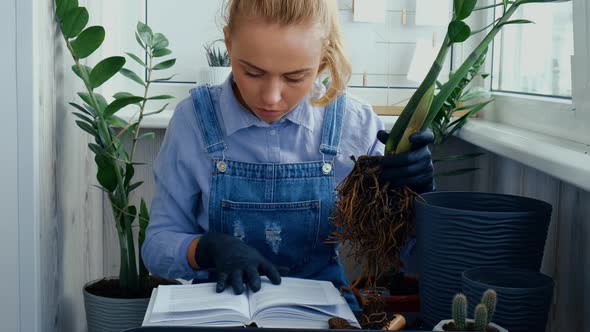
88,41
74,22
105,69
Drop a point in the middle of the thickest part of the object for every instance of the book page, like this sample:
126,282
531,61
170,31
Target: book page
294,291
177,302
298,303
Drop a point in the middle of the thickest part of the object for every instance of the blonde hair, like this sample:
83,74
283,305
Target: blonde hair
287,12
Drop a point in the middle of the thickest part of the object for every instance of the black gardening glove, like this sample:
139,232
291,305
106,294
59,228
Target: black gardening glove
414,168
234,261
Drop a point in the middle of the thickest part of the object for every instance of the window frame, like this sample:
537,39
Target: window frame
552,115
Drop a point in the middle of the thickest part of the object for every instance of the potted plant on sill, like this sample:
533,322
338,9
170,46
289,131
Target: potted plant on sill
115,303
482,321
219,63
375,220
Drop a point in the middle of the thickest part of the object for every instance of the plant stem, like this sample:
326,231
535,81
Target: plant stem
400,125
492,6
448,87
120,195
142,108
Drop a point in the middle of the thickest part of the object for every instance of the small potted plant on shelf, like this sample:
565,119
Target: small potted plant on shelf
219,63
115,303
482,321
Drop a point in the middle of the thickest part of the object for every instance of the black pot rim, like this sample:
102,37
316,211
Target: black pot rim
465,277
543,206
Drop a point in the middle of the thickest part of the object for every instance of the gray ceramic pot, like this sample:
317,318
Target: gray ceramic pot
106,314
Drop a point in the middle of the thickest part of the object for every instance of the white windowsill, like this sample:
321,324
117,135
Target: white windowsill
564,159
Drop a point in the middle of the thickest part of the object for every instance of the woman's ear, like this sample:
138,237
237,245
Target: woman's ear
227,39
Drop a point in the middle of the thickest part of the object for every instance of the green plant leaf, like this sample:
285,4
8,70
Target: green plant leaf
139,41
459,31
161,97
161,52
84,117
87,128
129,172
83,72
74,22
457,172
118,104
105,69
88,41
106,176
134,186
163,79
132,76
136,58
460,157
63,6
116,121
160,41
505,5
157,112
143,220
145,33
475,93
165,65
464,8
96,149
522,2
120,95
102,102
150,135
89,111
516,22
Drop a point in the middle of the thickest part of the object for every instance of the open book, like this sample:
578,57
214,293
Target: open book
295,303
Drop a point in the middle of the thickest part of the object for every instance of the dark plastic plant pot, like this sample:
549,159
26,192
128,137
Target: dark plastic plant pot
457,231
524,296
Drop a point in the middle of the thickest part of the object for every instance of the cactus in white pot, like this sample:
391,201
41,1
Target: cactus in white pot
482,321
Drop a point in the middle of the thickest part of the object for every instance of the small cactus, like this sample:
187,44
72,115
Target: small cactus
489,299
481,317
459,311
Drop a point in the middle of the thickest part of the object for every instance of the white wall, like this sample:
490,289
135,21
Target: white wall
9,242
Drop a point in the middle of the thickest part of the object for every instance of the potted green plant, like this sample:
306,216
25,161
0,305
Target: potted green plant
482,321
219,63
115,303
375,220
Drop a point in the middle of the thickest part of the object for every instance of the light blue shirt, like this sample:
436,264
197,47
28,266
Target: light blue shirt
182,169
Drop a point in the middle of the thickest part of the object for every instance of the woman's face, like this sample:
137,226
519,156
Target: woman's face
274,66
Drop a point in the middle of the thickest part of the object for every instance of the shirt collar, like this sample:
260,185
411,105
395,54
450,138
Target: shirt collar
236,117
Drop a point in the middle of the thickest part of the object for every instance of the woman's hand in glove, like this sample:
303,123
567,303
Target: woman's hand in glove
414,168
234,261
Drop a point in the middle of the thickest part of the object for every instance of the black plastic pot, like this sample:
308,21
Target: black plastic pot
524,297
457,231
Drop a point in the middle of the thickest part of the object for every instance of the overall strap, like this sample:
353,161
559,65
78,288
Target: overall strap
207,119
332,127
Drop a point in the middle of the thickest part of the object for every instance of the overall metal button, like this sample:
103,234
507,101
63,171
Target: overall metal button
221,166
326,168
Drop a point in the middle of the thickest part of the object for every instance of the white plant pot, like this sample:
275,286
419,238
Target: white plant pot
439,326
217,75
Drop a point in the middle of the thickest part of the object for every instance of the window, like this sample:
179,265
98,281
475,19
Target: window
536,58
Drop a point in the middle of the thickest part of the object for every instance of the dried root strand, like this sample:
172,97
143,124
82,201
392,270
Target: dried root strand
374,220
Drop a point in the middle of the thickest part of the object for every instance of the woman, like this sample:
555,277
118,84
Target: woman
246,176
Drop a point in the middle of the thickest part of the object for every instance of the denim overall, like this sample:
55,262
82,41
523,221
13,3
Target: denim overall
282,210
